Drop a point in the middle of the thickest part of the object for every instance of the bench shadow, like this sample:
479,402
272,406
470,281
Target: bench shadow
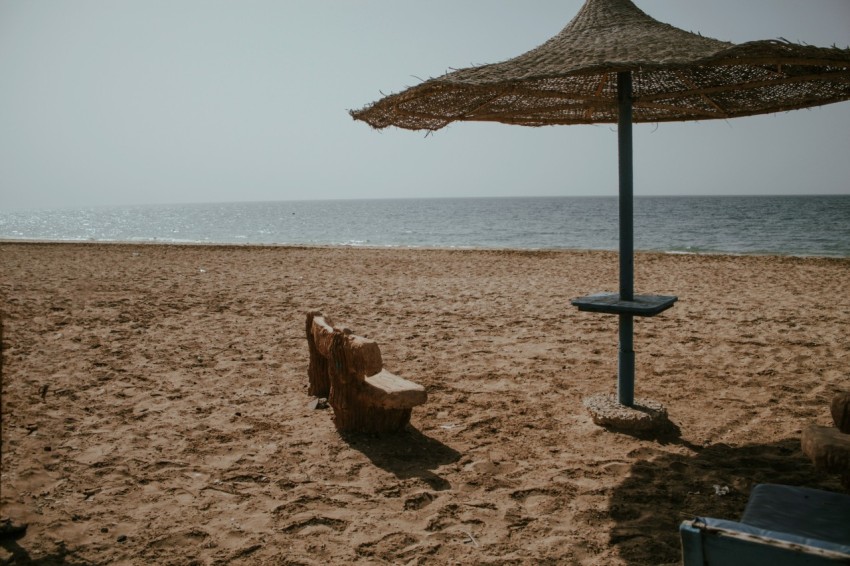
406,454
663,490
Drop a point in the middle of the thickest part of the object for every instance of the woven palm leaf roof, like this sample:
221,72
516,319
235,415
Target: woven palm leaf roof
572,78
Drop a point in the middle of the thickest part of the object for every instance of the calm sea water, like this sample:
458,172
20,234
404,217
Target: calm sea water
804,225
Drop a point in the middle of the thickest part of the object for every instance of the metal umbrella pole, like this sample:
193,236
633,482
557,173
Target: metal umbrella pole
626,354
625,304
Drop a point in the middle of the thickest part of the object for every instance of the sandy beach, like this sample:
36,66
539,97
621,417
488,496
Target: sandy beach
155,407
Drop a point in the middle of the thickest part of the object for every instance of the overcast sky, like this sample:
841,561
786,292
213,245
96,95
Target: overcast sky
165,101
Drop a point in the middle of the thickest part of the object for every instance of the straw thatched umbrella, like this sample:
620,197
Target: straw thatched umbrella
614,64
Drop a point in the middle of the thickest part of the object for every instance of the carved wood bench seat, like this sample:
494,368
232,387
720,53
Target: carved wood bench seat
348,370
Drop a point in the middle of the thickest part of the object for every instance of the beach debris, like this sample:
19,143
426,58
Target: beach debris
607,411
43,391
720,490
121,538
318,403
471,538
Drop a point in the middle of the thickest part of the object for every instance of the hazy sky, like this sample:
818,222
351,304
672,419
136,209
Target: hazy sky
162,101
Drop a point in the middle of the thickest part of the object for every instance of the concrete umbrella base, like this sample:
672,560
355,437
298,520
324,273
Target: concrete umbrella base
644,415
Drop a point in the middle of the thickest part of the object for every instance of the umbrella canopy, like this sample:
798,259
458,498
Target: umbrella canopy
613,63
571,79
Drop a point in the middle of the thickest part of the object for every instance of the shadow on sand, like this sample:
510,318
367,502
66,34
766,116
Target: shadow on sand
406,454
714,481
20,556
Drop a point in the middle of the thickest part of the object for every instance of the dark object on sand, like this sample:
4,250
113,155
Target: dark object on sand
11,529
781,525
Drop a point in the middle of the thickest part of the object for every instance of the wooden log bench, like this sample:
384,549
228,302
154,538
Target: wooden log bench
829,447
348,370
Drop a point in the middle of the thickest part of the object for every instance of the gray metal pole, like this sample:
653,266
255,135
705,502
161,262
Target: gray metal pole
626,361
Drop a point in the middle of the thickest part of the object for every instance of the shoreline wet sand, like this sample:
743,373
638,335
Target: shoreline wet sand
155,408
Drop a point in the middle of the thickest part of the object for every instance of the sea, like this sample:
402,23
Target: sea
762,225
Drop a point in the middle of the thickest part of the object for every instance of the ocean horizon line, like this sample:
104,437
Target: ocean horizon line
414,199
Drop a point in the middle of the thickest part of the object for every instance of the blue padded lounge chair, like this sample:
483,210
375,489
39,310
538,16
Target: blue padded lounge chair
781,526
